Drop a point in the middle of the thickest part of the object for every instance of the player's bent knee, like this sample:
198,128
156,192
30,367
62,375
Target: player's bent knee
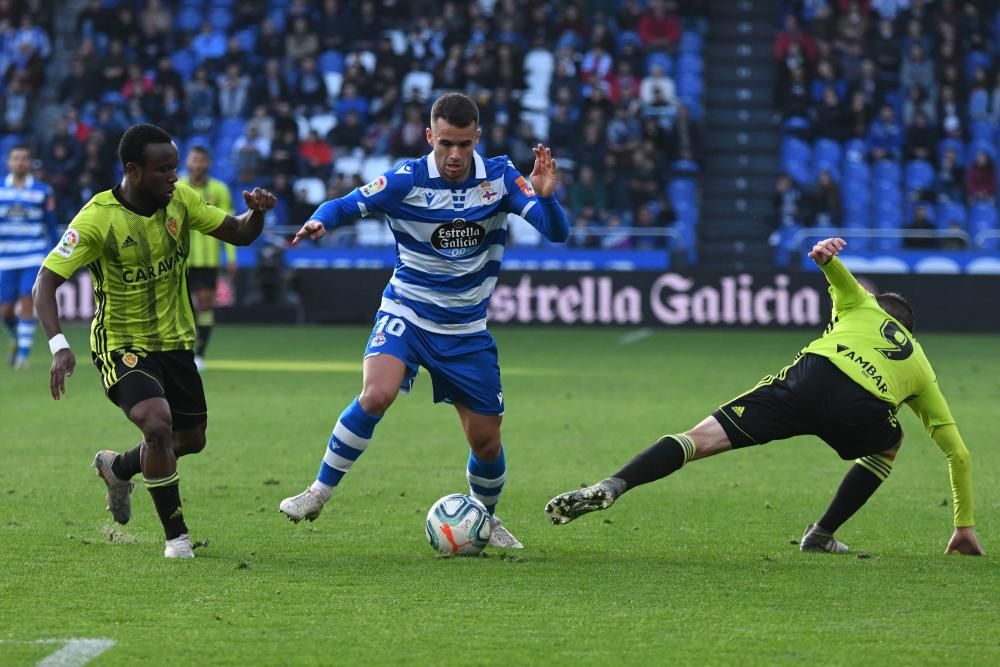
153,419
891,452
486,449
376,400
709,438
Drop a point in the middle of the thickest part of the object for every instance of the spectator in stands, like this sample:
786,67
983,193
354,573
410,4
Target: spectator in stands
616,235
284,153
309,93
233,92
917,70
335,26
659,28
16,106
921,138
852,29
949,114
95,19
826,77
869,84
156,19
646,183
272,86
884,49
200,98
587,191
885,137
137,82
209,45
348,133
918,101
351,100
651,235
169,112
595,68
793,34
832,117
270,42
624,131
921,223
411,139
826,201
859,116
949,179
657,86
263,122
250,153
794,99
302,42
81,85
995,99
978,96
562,129
582,233
113,72
317,156
593,147
790,204
981,178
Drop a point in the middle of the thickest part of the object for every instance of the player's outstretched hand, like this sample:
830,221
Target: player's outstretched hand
313,229
826,250
964,541
63,364
544,178
260,199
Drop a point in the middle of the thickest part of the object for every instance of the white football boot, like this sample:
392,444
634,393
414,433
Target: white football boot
307,505
179,547
501,537
817,540
119,490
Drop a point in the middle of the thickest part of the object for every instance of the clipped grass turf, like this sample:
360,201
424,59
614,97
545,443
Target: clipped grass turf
696,569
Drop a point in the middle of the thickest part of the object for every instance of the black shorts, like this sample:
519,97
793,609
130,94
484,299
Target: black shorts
812,397
202,277
130,376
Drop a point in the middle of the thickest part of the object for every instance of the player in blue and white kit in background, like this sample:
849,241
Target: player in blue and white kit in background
448,213
27,233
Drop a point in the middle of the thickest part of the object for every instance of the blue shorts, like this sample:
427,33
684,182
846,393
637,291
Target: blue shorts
464,368
15,283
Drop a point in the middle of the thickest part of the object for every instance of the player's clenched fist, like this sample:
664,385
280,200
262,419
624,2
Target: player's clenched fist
827,249
311,230
260,199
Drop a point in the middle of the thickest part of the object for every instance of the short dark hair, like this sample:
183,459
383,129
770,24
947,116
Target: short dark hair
455,108
19,147
132,147
201,148
898,307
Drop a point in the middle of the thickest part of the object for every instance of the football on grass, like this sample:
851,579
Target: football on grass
458,525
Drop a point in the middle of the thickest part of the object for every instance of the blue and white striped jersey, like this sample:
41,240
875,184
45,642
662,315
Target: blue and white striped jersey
27,221
450,238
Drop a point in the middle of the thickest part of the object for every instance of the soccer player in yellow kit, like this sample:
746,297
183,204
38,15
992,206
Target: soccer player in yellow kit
844,387
135,239
206,251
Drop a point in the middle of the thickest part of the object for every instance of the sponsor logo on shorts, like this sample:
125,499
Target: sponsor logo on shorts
68,243
378,339
458,238
129,359
375,186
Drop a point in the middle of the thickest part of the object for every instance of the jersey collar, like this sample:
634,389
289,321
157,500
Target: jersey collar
477,161
8,181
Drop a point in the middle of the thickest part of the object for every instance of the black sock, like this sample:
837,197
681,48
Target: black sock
203,333
857,487
166,495
127,464
660,459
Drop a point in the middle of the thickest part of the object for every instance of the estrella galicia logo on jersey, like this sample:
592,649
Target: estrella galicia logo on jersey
172,227
375,186
458,238
68,243
129,359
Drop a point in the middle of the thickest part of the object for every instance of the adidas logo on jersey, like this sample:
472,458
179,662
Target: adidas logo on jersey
129,242
738,409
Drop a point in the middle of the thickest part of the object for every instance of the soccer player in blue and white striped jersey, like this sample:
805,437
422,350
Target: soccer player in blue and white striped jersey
27,232
448,213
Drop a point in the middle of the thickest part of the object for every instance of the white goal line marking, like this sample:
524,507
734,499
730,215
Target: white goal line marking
73,652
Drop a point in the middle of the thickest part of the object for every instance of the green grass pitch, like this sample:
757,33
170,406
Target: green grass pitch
696,569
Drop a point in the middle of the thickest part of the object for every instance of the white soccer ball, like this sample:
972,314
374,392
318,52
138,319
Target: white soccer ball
458,525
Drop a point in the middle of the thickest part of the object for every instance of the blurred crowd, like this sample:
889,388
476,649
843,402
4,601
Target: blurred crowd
313,98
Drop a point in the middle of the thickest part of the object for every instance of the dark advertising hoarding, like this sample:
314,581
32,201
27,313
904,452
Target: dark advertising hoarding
636,298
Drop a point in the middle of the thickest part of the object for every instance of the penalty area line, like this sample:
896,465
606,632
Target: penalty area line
73,652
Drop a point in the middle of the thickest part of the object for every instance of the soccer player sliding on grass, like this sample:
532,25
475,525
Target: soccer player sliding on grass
844,387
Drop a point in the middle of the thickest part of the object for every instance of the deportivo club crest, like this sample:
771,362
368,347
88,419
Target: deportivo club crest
129,359
172,227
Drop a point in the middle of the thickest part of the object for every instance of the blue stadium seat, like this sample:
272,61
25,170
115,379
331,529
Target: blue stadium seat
229,129
856,151
856,174
918,175
949,212
185,62
691,42
660,58
983,218
976,59
976,146
188,20
887,171
330,61
248,39
827,155
957,144
7,142
221,18
982,130
796,159
690,63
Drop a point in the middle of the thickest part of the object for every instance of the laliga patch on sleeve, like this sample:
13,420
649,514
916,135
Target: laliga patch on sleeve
525,186
67,244
375,186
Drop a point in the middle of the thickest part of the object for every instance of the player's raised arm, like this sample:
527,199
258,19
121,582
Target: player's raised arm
534,198
63,360
544,174
245,228
826,250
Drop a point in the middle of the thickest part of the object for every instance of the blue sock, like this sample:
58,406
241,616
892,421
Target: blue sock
25,334
348,441
486,479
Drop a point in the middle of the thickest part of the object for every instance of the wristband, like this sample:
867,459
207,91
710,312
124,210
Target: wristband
58,342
